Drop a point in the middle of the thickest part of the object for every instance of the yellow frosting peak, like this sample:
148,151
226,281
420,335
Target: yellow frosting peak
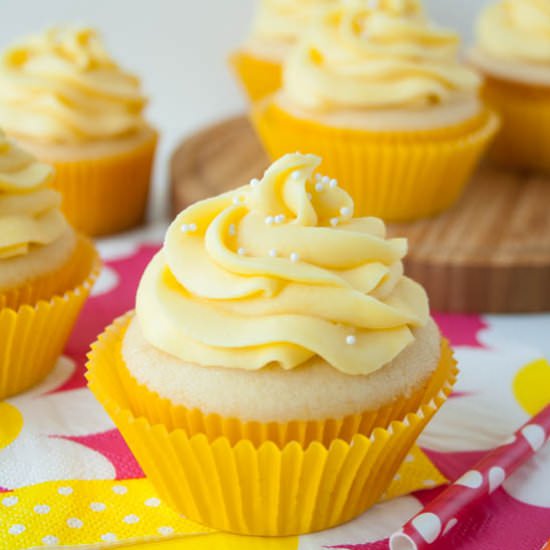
278,272
516,30
355,57
29,212
62,86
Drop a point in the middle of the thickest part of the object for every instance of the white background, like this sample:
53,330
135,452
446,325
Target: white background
179,48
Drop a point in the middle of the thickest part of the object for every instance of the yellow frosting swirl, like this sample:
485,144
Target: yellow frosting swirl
29,213
516,30
356,58
278,272
62,86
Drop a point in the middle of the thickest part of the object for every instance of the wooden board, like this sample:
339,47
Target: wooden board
490,253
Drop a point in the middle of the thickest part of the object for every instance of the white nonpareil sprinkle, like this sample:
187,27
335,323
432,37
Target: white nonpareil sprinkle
236,200
351,340
318,177
269,220
241,251
319,187
326,180
184,228
188,227
254,182
232,230
294,257
273,253
333,183
345,211
192,227
296,175
334,222
280,218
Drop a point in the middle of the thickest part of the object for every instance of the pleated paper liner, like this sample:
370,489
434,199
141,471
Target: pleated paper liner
146,403
263,489
34,334
258,77
398,176
524,139
108,194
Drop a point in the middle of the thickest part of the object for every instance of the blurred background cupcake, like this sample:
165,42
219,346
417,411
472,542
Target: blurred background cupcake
67,101
513,52
46,271
378,92
276,26
272,349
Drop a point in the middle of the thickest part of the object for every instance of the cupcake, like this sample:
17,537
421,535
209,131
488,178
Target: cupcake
513,52
277,24
382,98
279,365
46,271
66,100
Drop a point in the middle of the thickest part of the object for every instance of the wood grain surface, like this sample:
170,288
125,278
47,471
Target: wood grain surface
490,253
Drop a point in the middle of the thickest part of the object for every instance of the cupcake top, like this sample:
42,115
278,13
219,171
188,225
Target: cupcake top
362,59
62,86
279,272
29,211
513,39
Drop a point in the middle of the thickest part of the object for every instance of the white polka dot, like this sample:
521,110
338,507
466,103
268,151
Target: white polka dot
294,257
152,502
351,340
280,218
10,501
16,529
165,531
65,491
428,526
41,508
333,183
450,524
50,540
108,280
409,458
269,220
120,489
319,187
497,475
326,180
472,479
345,211
97,506
109,537
75,523
131,518
535,436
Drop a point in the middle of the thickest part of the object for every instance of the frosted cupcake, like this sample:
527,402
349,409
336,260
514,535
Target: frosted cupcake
275,344
382,98
46,271
513,52
67,101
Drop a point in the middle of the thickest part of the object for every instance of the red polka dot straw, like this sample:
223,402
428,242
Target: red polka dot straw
455,503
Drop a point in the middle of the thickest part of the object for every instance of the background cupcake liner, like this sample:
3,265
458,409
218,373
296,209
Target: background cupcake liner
524,139
106,195
157,410
398,176
260,490
259,77
34,334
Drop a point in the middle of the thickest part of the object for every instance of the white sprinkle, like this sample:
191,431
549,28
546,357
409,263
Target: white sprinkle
65,491
97,506
10,501
232,229
351,340
50,540
152,502
236,200
280,218
131,518
345,211
75,523
184,228
192,227
319,187
120,489
254,182
318,177
326,180
273,253
109,537
16,529
241,251
269,220
333,183
296,175
309,196
334,222
294,257
41,508
165,530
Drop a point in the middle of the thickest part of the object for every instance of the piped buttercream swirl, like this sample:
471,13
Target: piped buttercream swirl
278,272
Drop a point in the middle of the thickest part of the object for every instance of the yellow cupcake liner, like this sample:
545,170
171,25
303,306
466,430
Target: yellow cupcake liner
266,489
259,77
34,334
524,139
146,403
106,195
398,176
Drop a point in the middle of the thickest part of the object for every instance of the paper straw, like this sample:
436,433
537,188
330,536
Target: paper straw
457,501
